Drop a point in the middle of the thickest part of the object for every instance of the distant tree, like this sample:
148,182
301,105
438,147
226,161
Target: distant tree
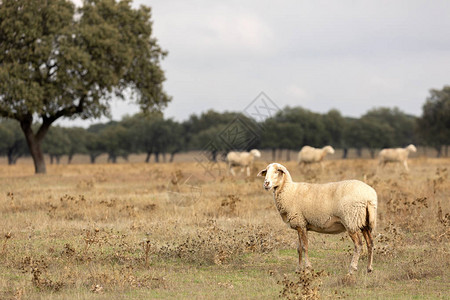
354,135
176,141
209,140
402,125
78,140
434,124
58,61
12,142
312,125
290,137
269,136
334,124
375,135
218,133
152,134
56,143
93,145
114,140
281,135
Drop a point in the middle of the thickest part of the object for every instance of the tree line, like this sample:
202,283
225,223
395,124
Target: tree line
217,133
62,61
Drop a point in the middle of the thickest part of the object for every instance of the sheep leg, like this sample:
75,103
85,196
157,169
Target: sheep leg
369,241
303,243
358,246
232,170
248,171
405,163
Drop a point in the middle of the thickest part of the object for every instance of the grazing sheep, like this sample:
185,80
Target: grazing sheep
333,208
308,154
395,155
242,159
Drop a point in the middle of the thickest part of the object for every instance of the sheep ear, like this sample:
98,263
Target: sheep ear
282,169
262,173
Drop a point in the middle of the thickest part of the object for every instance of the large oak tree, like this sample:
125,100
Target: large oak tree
57,60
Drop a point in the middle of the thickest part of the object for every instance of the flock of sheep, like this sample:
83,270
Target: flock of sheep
309,155
335,207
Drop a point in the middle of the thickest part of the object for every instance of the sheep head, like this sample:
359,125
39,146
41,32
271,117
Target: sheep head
275,175
411,148
328,149
255,153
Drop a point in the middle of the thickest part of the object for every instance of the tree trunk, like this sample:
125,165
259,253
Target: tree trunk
93,158
372,152
149,155
164,156
112,158
69,158
58,157
359,152
51,159
34,143
172,156
12,159
345,153
157,157
288,154
274,154
280,152
439,150
214,155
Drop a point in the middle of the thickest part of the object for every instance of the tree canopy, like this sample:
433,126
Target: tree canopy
60,61
434,124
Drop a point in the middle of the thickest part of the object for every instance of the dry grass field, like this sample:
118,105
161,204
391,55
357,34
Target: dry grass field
174,231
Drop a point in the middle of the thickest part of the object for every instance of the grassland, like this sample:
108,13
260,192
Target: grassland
175,231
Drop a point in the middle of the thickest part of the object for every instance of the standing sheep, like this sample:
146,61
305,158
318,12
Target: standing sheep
395,155
332,208
242,159
308,154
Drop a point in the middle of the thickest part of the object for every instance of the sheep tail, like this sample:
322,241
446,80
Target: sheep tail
371,215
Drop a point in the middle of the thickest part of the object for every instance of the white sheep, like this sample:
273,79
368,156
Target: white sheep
332,208
308,154
242,159
399,155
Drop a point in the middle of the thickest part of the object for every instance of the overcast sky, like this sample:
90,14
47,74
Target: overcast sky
348,55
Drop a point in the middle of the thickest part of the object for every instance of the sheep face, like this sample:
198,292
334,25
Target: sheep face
329,149
255,153
274,176
411,148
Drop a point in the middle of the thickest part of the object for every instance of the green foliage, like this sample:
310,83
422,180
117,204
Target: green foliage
434,125
401,132
56,143
334,127
59,61
311,124
12,142
77,141
114,140
154,134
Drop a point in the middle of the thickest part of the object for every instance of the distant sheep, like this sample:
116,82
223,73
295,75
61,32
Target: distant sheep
399,155
242,159
309,155
333,208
